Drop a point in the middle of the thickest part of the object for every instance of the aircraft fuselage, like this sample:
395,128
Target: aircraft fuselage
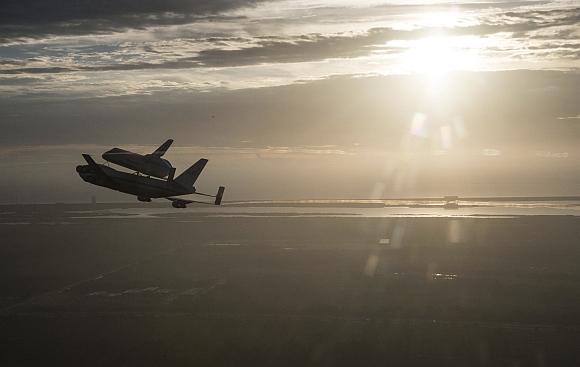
143,187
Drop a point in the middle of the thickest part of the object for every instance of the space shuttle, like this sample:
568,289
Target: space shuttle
149,164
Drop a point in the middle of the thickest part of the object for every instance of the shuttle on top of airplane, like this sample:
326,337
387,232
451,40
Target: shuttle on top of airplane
141,183
149,164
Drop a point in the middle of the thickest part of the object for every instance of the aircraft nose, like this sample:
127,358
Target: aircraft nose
107,154
89,177
86,173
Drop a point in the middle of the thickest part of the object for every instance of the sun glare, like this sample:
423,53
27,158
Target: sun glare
439,19
438,55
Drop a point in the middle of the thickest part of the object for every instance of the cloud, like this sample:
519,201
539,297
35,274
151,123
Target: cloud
41,18
243,51
34,19
337,111
12,62
577,117
7,154
233,53
260,50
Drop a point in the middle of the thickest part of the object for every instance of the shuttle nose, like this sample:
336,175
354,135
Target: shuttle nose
111,154
166,163
107,155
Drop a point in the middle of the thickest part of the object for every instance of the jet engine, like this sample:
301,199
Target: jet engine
178,204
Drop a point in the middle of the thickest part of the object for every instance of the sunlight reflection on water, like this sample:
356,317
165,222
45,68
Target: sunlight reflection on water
344,208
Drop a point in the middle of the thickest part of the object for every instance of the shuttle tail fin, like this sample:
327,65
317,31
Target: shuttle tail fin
190,175
159,152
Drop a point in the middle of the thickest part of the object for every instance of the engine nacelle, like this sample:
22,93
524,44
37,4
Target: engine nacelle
144,199
178,205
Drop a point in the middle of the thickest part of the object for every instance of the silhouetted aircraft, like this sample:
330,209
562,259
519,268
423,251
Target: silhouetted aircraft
149,164
147,188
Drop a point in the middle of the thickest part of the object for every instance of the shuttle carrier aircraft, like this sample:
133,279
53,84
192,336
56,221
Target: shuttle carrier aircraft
141,183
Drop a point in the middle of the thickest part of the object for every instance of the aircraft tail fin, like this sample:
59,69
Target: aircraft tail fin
190,175
159,152
90,160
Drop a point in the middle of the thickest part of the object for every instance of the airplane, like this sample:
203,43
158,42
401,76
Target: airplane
147,188
149,164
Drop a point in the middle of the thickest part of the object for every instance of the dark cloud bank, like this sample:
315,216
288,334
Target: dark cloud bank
21,19
496,107
39,18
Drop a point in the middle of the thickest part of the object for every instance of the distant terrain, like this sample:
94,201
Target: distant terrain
105,286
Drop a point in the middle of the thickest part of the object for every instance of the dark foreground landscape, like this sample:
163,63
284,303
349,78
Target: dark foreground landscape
192,289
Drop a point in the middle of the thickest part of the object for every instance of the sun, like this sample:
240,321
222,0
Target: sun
436,56
433,55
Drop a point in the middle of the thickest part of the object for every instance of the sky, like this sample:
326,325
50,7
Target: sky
295,99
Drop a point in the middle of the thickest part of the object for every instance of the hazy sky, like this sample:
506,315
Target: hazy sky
293,98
